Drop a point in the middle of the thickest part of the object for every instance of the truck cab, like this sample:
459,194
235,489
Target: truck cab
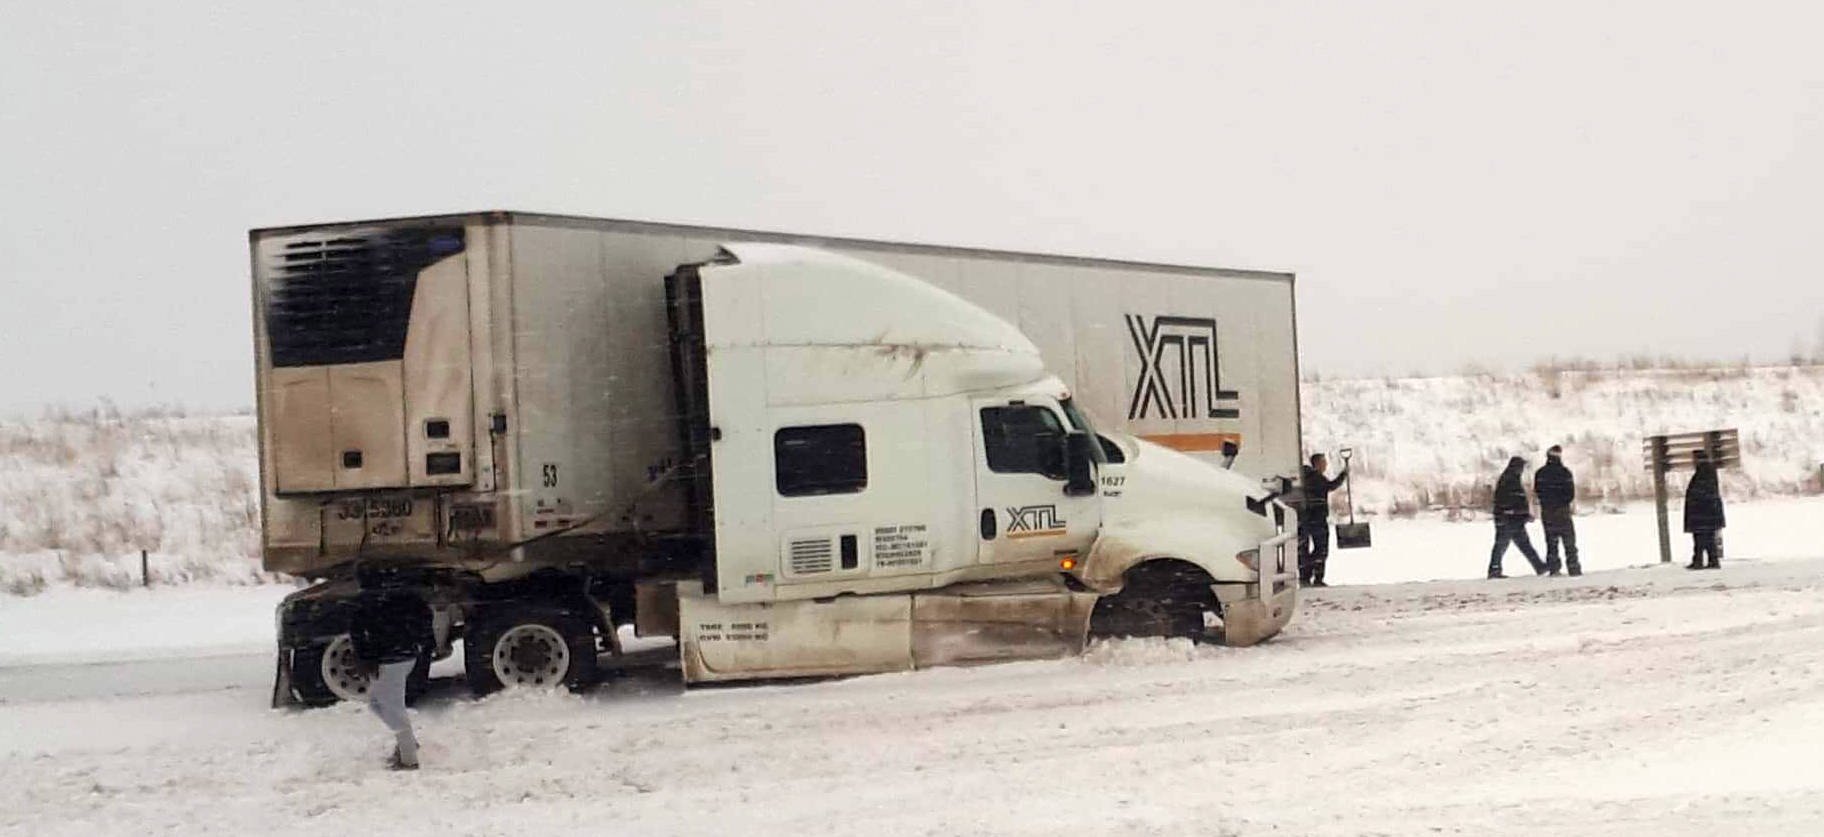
872,442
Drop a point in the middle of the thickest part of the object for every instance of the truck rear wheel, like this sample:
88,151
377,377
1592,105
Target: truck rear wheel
532,650
1164,598
326,673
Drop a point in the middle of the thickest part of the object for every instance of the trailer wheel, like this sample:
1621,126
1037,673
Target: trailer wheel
326,673
1163,598
529,650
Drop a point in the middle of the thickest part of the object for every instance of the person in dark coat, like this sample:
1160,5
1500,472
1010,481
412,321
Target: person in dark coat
1704,515
391,629
1555,488
1512,513
1314,519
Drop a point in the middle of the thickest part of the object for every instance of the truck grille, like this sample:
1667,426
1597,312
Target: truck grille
810,557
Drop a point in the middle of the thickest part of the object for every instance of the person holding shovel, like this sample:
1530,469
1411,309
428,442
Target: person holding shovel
1314,519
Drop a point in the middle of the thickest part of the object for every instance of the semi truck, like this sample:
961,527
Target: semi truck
798,456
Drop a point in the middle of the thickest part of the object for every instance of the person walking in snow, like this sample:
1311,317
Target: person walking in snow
391,629
1512,513
1555,488
1314,519
1704,515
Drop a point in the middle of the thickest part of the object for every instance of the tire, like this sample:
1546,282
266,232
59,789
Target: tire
531,649
1160,599
327,672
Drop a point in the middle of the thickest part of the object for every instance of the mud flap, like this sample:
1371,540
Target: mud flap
281,682
1267,605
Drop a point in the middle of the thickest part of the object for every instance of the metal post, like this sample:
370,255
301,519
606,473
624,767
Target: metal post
145,577
1659,499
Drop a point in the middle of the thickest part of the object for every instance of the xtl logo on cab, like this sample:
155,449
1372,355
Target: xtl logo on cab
1034,522
1192,367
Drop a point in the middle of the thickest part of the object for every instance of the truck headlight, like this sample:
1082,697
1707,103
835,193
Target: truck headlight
1249,558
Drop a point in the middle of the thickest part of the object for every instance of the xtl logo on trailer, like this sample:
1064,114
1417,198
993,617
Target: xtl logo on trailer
1034,522
1179,374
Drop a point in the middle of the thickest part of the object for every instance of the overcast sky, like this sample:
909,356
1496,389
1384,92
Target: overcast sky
1453,182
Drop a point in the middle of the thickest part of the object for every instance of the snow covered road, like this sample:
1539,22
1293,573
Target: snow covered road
1635,701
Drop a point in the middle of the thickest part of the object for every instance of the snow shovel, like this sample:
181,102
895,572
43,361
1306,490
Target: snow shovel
1352,535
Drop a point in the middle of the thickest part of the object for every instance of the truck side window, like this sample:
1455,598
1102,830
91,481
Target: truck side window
1023,440
820,459
1110,450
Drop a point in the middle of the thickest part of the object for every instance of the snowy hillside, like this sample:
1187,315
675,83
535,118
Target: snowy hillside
81,493
1438,443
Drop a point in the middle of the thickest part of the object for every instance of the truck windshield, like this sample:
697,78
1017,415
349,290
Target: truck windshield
1080,420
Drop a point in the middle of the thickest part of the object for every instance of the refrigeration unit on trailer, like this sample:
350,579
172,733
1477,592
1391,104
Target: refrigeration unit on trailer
798,456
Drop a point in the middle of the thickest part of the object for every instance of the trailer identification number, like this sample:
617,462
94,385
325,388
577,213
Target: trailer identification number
375,509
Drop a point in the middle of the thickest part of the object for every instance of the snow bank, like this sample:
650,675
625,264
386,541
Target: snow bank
82,493
92,626
1438,443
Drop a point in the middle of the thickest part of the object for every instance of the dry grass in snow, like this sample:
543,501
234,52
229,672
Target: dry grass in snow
82,492
1438,443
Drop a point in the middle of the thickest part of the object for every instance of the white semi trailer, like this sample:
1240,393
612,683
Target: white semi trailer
799,456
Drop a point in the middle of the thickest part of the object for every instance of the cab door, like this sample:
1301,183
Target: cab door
1021,470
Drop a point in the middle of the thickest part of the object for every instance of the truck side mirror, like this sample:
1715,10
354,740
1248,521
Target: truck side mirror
1081,464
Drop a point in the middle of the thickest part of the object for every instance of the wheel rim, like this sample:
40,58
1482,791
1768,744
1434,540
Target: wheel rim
531,655
341,672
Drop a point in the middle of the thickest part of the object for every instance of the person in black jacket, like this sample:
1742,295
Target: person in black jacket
1314,519
1555,488
391,629
1704,515
1512,513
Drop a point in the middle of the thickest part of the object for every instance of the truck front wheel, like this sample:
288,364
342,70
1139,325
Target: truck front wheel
540,649
1162,598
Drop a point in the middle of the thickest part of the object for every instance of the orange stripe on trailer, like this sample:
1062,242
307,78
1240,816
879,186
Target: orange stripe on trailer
1194,442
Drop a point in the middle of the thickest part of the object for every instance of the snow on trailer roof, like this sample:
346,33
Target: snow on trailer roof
782,237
